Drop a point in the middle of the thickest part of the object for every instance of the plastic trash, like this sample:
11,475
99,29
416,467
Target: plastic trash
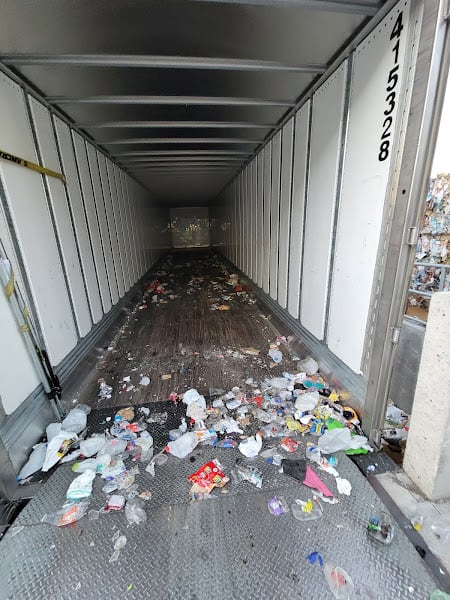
75,421
52,430
417,522
144,380
113,469
114,502
339,439
58,446
276,355
104,390
307,402
92,445
339,581
34,463
228,426
81,486
308,365
315,557
134,512
247,473
184,445
145,442
380,528
439,595
251,446
120,542
95,464
113,447
277,506
344,486
306,511
191,396
68,513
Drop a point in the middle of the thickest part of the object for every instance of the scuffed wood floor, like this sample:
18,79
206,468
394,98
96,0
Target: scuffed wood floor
181,337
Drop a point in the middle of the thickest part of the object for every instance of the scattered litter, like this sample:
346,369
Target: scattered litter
339,581
166,376
105,391
306,511
277,506
34,463
380,528
251,446
247,473
144,381
134,512
315,557
69,513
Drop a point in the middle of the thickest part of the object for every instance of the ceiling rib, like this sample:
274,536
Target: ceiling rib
180,140
180,152
361,7
161,62
170,100
176,124
185,164
174,159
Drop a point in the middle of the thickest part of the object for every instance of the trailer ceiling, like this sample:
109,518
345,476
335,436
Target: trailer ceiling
179,92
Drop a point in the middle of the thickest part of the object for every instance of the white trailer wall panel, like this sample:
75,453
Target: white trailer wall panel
27,203
260,218
298,207
364,181
267,161
97,166
285,211
13,389
275,215
79,218
328,103
108,192
92,219
43,128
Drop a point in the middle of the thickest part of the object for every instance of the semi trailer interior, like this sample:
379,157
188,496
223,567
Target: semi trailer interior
290,143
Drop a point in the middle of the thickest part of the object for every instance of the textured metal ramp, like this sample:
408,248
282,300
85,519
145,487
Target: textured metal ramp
229,546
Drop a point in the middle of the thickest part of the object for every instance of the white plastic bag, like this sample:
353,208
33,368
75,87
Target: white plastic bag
75,421
113,447
184,445
34,462
307,402
251,446
276,355
81,486
309,365
191,396
57,447
92,445
52,430
341,439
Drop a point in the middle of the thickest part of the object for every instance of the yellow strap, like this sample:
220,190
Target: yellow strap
30,165
9,288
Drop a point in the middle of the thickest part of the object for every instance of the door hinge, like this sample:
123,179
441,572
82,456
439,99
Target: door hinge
395,336
413,236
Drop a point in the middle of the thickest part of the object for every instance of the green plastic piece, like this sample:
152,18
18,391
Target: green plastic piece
333,424
438,595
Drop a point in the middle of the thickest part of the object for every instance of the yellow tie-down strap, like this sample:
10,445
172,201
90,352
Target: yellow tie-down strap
30,165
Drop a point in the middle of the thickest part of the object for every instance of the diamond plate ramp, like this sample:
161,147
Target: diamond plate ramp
229,546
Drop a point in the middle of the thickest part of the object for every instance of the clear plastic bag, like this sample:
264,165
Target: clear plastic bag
67,514
339,581
247,473
134,512
306,511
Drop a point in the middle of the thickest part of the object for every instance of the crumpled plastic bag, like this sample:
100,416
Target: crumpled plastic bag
184,445
75,421
307,402
134,512
344,486
341,439
52,429
228,426
308,365
35,461
191,396
251,446
81,486
92,445
339,581
67,514
57,447
92,464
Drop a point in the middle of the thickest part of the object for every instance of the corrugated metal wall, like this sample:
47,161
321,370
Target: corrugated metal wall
76,247
304,219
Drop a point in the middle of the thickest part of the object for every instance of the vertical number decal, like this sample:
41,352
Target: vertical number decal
392,81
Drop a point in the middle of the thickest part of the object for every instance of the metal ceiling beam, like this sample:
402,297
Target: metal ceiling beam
176,124
181,152
158,62
356,7
174,159
178,140
184,164
170,100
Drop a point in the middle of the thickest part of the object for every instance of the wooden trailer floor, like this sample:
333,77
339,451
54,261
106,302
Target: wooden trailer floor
229,545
